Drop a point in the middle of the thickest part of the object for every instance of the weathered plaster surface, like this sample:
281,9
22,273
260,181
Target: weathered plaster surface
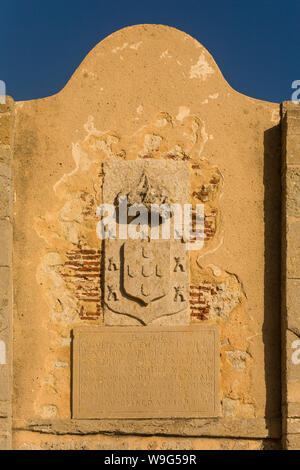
146,92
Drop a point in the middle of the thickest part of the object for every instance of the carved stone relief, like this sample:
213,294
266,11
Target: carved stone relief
146,279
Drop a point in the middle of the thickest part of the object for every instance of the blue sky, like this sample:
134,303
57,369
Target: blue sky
255,43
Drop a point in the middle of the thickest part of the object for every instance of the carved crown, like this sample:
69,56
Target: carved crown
147,192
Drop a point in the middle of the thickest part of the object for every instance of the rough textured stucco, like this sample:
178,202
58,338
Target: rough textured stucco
147,92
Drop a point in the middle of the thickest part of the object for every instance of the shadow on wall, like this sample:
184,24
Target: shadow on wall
272,274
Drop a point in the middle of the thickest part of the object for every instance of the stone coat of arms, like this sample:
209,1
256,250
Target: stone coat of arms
145,279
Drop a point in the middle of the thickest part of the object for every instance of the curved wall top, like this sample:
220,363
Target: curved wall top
147,92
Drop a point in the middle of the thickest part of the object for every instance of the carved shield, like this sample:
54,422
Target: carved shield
146,269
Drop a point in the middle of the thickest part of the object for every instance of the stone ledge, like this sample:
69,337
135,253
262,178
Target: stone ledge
253,428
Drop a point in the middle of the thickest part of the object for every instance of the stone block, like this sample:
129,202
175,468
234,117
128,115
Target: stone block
293,249
5,442
292,149
4,425
293,304
293,426
5,409
5,129
293,391
4,382
5,243
293,124
5,161
5,197
293,191
293,356
292,442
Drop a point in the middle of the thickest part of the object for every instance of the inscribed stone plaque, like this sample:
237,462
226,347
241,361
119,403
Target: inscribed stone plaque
151,372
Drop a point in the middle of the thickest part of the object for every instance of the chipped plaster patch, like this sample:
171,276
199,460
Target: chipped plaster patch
140,109
91,75
228,291
210,97
215,269
136,45
60,365
48,411
237,359
152,142
82,162
204,136
90,128
71,211
165,55
275,116
232,407
183,112
120,48
229,295
81,158
50,380
161,122
2,352
64,310
65,342
201,69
